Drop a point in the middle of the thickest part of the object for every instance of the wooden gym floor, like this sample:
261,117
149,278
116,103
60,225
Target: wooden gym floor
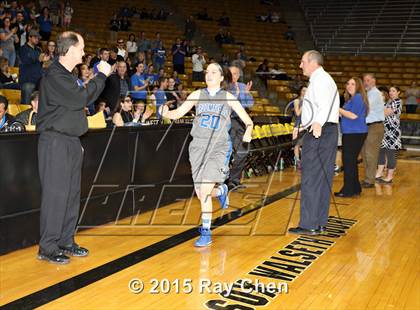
367,260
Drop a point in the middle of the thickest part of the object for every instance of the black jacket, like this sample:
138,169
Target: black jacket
111,93
62,101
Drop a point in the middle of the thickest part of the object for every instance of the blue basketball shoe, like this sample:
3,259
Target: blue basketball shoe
204,239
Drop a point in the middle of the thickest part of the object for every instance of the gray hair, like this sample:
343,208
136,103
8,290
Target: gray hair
65,40
316,56
372,75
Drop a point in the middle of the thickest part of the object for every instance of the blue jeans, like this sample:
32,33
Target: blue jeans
26,92
11,56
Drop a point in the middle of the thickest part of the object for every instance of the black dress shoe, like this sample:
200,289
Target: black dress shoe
365,184
75,250
54,258
303,231
341,194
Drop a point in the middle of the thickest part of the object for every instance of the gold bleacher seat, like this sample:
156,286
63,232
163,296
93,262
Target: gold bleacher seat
12,95
13,109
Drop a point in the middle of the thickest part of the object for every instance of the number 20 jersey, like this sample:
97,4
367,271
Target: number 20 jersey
212,119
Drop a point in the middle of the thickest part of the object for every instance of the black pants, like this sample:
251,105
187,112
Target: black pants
197,76
180,68
240,150
352,145
318,158
411,108
60,165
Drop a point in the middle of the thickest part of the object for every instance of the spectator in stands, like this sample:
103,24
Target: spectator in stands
161,73
354,131
151,76
224,20
159,56
30,68
263,72
113,56
190,28
30,12
114,27
391,142
125,24
144,14
45,24
28,117
67,15
56,11
296,84
172,95
224,61
49,55
101,107
139,84
103,56
239,62
84,75
5,118
198,62
229,39
157,41
144,46
25,35
131,46
242,53
87,59
275,17
8,38
188,48
121,49
20,24
289,34
124,114
176,78
7,80
220,37
412,98
141,112
374,120
278,74
161,95
203,15
117,85
141,58
178,56
241,91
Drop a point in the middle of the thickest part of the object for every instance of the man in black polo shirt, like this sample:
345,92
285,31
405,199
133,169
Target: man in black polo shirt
61,121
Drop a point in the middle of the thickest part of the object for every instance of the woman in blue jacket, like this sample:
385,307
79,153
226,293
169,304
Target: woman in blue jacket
354,130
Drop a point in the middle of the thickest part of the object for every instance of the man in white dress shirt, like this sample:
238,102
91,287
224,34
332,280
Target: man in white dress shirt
320,117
